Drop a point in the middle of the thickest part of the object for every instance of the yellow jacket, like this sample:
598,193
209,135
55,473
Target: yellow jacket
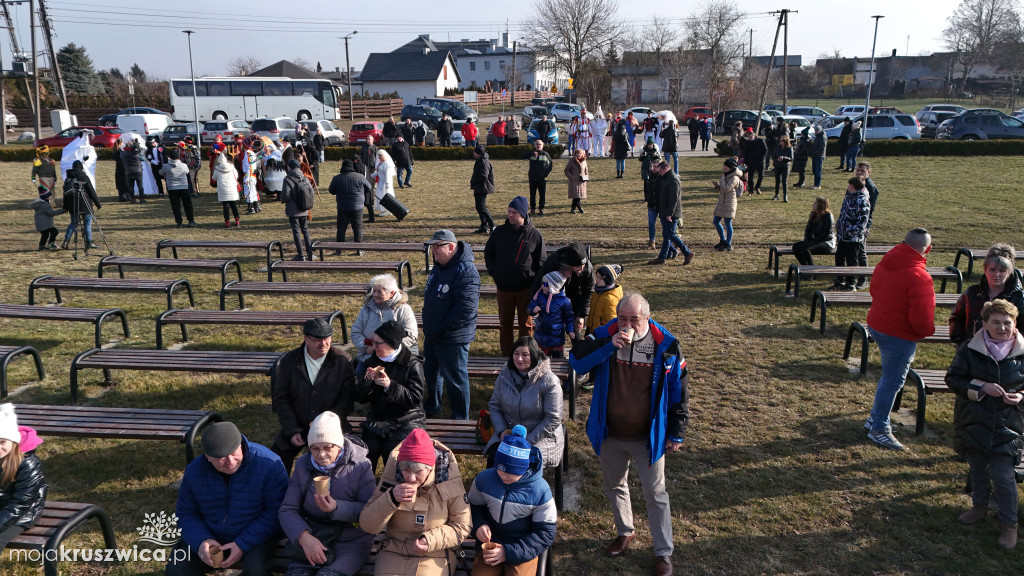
602,307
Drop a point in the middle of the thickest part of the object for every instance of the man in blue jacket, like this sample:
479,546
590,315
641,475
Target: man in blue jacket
450,300
638,412
229,498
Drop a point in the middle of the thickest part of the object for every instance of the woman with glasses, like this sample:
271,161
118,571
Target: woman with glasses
384,302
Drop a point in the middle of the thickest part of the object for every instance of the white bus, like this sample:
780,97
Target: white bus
244,98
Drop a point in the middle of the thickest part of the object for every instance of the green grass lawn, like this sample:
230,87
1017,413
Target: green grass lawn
776,477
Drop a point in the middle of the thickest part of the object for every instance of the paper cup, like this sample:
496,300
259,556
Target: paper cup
490,545
415,491
216,556
322,484
628,333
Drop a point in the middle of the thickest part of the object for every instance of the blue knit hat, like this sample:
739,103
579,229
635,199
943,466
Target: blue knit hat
520,204
513,454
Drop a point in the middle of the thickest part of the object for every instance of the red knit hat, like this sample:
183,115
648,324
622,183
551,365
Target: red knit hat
418,447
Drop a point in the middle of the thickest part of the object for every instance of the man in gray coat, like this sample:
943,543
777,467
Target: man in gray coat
670,212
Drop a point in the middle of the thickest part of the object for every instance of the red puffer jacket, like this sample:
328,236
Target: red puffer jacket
902,295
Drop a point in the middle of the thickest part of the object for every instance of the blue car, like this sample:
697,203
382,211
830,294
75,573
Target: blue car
532,134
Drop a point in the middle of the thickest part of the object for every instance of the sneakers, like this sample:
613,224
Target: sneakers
973,516
885,439
1007,536
51,246
868,423
89,244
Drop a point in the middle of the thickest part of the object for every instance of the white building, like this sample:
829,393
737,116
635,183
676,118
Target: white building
423,74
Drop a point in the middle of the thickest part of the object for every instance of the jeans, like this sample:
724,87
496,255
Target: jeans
652,218
615,458
255,562
724,232
994,473
670,238
816,169
87,217
803,250
300,226
471,143
445,142
408,175
620,165
178,199
782,177
481,210
675,160
537,187
897,354
499,140
448,363
851,157
347,218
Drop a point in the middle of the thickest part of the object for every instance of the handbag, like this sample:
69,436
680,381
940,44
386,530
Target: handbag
484,427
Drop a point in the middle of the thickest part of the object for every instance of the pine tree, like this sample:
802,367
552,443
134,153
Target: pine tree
79,75
137,74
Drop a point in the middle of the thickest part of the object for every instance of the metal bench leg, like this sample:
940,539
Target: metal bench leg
71,524
922,400
571,385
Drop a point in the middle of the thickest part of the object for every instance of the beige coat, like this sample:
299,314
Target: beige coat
726,206
575,171
440,513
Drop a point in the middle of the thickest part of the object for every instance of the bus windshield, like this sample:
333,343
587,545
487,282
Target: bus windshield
250,98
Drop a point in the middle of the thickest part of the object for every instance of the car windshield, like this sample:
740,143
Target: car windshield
172,129
264,125
362,126
431,111
215,126
112,130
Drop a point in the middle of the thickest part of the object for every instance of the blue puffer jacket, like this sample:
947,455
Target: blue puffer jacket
450,299
521,515
240,508
552,325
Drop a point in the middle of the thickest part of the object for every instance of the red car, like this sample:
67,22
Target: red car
358,133
698,112
103,137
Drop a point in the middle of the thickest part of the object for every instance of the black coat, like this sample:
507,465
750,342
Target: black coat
668,138
482,180
754,152
407,131
540,165
75,202
514,256
297,401
22,501
350,190
401,153
390,129
445,129
578,287
401,405
820,229
965,320
668,196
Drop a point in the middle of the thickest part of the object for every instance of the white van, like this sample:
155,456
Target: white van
145,125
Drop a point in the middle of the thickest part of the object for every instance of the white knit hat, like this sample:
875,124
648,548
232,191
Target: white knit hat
9,424
326,429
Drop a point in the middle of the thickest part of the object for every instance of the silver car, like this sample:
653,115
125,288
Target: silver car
884,127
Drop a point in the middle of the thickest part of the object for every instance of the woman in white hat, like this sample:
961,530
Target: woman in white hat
22,485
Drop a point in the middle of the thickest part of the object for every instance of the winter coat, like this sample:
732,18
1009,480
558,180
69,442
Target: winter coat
872,198
351,485
787,156
965,320
669,201
297,401
401,154
534,400
450,299
440,514
273,179
819,146
371,316
22,501
902,295
482,180
855,139
291,191
400,407
469,131
368,155
670,397
241,508
800,154
445,128
73,202
620,143
540,166
226,177
44,214
754,152
132,161
175,175
390,129
407,131
521,515
649,154
669,137
514,255
578,286
553,322
602,307
852,224
498,129
985,424
578,174
727,201
844,135
350,190
705,130
819,230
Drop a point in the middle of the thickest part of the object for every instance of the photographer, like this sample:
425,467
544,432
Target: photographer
131,157
79,198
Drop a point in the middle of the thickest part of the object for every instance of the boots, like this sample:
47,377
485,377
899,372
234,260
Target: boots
259,208
64,244
1007,536
973,516
238,222
227,223
248,208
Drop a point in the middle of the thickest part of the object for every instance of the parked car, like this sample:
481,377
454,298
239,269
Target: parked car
563,112
850,110
801,123
277,129
420,112
111,119
176,133
360,130
541,101
639,112
457,139
531,113
773,114
955,108
532,134
776,107
884,127
228,130
10,120
726,118
333,136
930,121
809,112
980,124
453,108
698,112
102,137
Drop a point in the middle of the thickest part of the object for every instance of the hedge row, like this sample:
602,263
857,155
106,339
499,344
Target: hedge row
877,148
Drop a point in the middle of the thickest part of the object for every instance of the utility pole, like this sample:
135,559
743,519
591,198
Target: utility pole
871,80
195,104
3,105
348,75
58,78
16,52
512,103
750,47
764,88
35,68
785,61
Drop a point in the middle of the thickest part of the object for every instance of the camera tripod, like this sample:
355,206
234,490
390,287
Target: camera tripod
83,209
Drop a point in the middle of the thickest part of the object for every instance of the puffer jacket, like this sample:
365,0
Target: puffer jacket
352,483
965,320
22,501
482,180
727,201
371,316
534,400
578,286
44,214
602,307
451,298
902,295
226,177
985,424
440,514
554,321
290,192
400,407
514,255
175,175
521,515
350,190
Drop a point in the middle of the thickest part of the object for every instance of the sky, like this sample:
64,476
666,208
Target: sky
119,33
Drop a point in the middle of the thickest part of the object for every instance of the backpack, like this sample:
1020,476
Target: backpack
304,195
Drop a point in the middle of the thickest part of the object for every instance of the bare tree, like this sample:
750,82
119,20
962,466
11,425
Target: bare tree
303,63
568,31
656,37
715,26
973,30
1008,52
243,66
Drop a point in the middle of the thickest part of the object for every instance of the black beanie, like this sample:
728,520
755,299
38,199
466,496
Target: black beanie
574,254
392,333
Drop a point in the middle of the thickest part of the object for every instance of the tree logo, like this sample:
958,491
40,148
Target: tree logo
160,529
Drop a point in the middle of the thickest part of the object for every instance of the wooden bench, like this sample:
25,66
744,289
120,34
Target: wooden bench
58,283
226,244
322,245
95,315
775,251
973,254
218,361
9,353
941,335
796,270
58,521
483,321
241,317
926,382
128,423
490,367
159,263
322,288
336,266
860,299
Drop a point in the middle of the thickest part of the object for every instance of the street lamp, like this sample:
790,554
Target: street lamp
871,79
195,105
348,74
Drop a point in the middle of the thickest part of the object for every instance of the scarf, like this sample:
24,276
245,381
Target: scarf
327,469
391,357
998,350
